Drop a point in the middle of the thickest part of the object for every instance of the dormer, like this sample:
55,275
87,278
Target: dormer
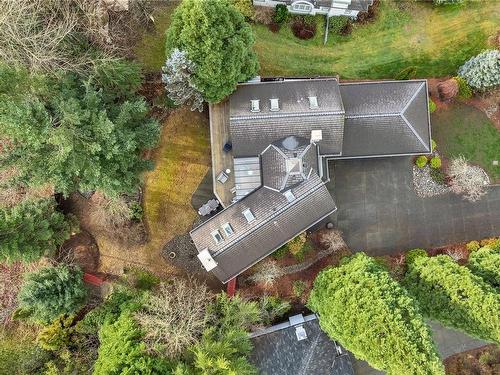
255,105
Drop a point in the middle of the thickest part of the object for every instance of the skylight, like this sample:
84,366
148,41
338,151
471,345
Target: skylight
255,105
275,106
313,102
228,229
248,215
289,196
217,236
206,260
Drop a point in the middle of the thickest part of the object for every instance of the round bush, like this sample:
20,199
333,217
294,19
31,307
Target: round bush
414,254
421,161
473,245
435,162
482,72
464,90
303,29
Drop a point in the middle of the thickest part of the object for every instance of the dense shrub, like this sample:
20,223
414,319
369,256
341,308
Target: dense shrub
32,229
50,292
264,15
464,90
421,161
337,23
414,254
432,106
225,57
303,27
482,72
407,73
473,245
372,316
435,162
245,7
57,335
281,14
272,308
485,263
453,295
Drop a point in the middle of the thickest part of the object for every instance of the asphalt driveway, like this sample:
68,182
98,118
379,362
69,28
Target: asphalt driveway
379,212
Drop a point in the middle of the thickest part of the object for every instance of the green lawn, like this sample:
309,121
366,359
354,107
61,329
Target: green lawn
150,51
437,40
464,130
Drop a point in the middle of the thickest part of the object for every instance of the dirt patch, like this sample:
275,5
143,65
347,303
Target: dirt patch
481,361
81,249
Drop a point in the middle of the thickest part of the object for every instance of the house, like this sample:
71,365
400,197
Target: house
283,133
299,346
329,8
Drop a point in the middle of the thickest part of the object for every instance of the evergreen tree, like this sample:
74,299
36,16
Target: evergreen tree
371,315
485,263
453,295
73,134
482,71
50,292
31,230
217,41
122,352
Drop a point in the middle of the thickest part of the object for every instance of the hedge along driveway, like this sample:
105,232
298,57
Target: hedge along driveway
437,40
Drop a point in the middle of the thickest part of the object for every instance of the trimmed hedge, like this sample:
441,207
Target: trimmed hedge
485,263
455,296
372,316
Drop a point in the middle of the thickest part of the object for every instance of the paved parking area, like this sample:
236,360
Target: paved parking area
379,212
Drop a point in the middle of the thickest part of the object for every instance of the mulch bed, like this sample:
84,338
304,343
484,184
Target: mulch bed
481,361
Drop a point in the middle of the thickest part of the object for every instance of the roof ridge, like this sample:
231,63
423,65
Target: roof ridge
403,112
410,101
284,115
414,131
392,114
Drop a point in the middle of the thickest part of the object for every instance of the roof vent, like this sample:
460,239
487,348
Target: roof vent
275,105
313,102
255,105
300,332
316,135
206,260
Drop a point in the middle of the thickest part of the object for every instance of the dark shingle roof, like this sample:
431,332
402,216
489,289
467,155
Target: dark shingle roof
283,168
252,132
280,353
276,222
390,119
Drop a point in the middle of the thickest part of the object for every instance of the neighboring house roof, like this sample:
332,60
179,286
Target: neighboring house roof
252,132
277,220
360,5
277,350
385,118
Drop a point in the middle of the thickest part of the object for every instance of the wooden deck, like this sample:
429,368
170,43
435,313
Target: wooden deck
219,135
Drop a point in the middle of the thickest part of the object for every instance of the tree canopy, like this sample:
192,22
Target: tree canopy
50,292
371,315
217,41
482,71
74,133
31,230
452,294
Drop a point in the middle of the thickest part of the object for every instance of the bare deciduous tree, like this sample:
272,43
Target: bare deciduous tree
175,316
268,272
46,35
177,76
468,180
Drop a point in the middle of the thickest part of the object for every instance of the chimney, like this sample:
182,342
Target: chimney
316,136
